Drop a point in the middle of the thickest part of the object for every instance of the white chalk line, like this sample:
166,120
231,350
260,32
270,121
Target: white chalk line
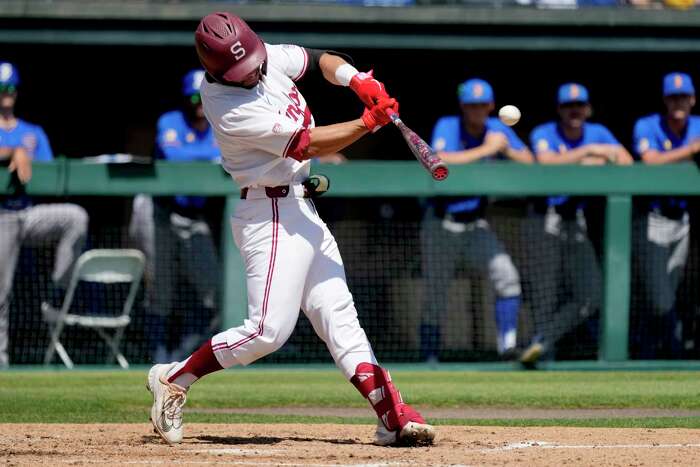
276,452
548,445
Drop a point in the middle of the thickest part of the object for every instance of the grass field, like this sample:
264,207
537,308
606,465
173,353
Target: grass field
120,397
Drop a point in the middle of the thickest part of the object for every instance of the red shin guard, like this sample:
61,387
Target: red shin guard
374,383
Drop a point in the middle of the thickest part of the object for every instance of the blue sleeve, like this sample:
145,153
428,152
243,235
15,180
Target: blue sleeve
43,152
513,140
446,135
604,136
171,144
540,141
644,138
8,140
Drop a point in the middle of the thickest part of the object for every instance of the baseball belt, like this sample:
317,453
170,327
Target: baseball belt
313,187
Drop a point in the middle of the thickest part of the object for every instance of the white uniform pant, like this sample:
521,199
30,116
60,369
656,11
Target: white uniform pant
292,262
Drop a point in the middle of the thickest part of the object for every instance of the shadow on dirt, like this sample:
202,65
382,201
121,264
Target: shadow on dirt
267,440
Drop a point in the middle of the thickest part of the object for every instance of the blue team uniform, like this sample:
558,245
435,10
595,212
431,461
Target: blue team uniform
652,132
549,137
449,135
34,140
479,247
178,142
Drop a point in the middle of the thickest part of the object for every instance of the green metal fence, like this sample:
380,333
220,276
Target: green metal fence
388,179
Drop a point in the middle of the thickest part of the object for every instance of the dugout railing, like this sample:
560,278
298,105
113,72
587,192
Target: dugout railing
616,184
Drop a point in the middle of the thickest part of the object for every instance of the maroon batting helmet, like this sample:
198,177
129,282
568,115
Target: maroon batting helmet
228,49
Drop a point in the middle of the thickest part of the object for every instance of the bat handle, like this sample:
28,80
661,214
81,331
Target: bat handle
394,116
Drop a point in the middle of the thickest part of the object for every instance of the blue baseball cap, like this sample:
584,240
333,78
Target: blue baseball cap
572,92
475,91
192,82
678,83
9,76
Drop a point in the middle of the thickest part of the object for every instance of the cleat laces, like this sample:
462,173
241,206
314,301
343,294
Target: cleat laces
172,406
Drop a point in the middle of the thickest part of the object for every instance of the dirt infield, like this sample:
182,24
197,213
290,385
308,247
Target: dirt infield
292,445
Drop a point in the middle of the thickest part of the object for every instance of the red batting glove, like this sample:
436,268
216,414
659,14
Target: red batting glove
368,89
378,115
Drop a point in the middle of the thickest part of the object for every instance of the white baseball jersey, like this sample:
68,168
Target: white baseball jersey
261,130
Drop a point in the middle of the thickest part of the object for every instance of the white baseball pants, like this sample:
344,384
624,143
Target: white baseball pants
292,262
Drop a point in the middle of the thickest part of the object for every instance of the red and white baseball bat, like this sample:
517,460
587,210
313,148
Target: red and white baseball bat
423,152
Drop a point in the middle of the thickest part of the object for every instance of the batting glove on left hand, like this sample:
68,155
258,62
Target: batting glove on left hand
378,115
368,89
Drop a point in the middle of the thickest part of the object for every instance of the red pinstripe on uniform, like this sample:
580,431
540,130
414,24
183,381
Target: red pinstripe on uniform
268,284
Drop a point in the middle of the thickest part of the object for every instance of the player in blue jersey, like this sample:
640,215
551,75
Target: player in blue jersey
565,276
662,236
455,230
22,222
183,246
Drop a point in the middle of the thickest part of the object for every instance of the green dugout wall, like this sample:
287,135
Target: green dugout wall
403,179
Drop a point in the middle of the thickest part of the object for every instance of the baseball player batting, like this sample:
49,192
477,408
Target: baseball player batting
267,135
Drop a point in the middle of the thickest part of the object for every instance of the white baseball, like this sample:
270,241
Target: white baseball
509,114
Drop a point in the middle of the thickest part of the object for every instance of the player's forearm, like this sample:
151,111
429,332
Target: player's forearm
329,65
624,157
572,156
667,157
523,156
333,138
467,156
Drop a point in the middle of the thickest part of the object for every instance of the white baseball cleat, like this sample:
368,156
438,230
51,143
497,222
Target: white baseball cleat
412,434
168,399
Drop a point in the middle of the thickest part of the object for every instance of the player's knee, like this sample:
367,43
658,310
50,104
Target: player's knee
504,276
272,338
77,218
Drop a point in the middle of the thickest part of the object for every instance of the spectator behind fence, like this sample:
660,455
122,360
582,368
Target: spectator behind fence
563,270
21,222
455,230
183,246
663,235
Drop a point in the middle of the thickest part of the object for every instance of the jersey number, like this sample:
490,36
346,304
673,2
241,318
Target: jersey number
238,51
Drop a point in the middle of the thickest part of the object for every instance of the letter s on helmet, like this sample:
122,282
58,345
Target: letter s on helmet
227,47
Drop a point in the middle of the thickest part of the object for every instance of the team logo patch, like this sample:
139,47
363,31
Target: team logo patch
189,138
171,136
542,145
643,145
668,145
677,81
574,91
277,128
5,72
440,144
478,90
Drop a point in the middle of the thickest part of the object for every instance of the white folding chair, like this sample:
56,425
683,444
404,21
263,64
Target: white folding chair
104,267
